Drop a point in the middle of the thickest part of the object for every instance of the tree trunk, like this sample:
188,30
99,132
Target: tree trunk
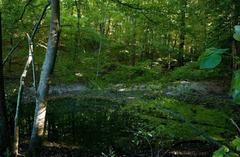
19,98
133,43
4,137
42,92
235,44
77,35
182,32
101,36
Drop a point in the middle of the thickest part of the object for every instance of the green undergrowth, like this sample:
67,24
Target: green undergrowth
117,73
89,68
192,72
167,113
86,70
96,123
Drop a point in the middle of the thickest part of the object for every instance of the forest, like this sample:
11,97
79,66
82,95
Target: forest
119,78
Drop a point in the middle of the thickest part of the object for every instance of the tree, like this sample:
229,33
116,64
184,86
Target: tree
42,92
4,137
182,32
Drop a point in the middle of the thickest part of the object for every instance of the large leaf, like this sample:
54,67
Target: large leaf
236,143
236,36
232,155
211,58
236,87
221,152
211,62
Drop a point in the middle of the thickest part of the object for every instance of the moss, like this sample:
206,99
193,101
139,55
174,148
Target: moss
98,122
191,71
117,73
159,118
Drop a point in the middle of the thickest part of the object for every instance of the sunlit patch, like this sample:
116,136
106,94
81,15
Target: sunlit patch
122,90
131,98
78,74
14,90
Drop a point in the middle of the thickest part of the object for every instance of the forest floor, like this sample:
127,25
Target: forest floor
178,89
208,94
137,113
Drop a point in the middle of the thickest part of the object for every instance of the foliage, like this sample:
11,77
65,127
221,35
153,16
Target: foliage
141,40
110,154
235,89
117,73
236,144
98,123
192,72
211,58
153,112
236,36
224,151
7,153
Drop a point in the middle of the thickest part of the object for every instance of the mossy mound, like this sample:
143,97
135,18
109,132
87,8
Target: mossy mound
136,126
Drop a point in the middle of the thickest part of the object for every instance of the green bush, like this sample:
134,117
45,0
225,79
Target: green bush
192,72
118,73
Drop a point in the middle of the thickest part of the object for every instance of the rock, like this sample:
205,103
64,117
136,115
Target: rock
203,88
56,91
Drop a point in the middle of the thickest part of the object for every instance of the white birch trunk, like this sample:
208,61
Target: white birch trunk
42,92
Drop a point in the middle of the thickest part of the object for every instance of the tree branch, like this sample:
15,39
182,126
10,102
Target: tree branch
36,27
11,52
24,10
132,6
235,124
34,30
138,8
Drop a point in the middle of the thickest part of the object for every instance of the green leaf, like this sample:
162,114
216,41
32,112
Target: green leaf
210,62
231,155
235,89
221,152
211,58
236,143
220,51
236,36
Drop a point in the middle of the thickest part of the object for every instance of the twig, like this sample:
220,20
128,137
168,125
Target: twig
24,9
35,28
235,124
137,7
149,143
11,52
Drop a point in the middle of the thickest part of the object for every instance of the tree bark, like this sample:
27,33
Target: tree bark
42,92
182,32
19,98
4,136
235,44
101,36
77,35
